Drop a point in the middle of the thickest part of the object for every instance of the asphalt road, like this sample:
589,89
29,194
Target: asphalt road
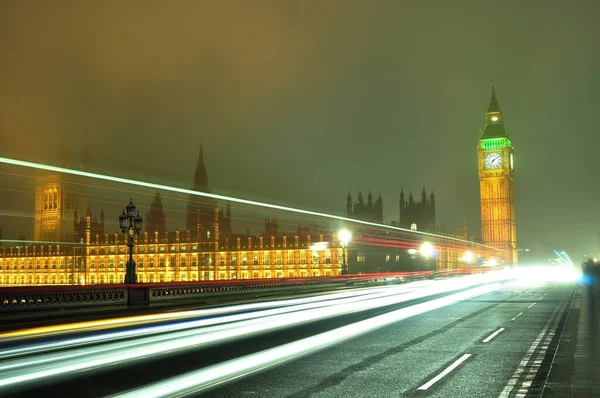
399,359
490,345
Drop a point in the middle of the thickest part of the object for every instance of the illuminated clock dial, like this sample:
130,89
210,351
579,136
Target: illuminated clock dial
493,160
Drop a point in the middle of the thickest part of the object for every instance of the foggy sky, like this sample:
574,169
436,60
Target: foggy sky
297,102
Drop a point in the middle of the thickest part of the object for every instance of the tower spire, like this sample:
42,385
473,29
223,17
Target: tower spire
493,107
494,121
201,175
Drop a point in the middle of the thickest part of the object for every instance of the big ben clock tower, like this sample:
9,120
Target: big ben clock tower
496,183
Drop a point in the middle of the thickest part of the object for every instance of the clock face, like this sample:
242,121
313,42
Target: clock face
493,160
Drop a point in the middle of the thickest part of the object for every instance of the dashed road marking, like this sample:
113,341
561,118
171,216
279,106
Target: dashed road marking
517,317
491,336
531,370
444,372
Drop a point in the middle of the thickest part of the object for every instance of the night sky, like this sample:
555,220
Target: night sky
296,102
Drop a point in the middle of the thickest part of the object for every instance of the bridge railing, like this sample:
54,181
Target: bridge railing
31,298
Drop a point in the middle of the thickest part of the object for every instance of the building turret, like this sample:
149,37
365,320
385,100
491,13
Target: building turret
155,219
379,208
348,205
201,175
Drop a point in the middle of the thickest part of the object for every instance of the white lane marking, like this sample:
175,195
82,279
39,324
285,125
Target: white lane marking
535,366
444,373
517,317
523,364
491,336
532,305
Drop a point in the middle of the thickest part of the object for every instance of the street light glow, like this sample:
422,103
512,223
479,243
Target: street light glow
345,237
468,257
426,249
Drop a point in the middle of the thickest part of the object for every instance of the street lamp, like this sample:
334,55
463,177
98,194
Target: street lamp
131,225
344,237
468,257
426,250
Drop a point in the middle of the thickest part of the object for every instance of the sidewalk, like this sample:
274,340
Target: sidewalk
575,371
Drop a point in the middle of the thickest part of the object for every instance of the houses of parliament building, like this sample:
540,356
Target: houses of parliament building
72,247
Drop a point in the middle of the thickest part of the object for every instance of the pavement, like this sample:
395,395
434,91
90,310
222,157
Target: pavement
575,368
513,342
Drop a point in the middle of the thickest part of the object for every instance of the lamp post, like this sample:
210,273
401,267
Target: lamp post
131,225
344,237
427,251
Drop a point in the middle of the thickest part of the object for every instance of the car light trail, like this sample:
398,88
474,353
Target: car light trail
185,330
212,376
22,163
65,363
314,302
46,331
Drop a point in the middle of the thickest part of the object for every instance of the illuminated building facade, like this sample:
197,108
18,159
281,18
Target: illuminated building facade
419,214
208,250
57,201
496,182
173,259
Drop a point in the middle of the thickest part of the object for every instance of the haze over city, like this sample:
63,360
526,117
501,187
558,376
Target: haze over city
297,103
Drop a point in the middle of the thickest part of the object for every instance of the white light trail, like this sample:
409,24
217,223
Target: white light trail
40,166
63,363
309,303
101,324
212,376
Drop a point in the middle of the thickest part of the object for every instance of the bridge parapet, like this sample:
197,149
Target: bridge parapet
41,298
31,298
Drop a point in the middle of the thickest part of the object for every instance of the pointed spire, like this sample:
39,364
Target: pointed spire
349,198
493,107
201,176
370,199
228,210
157,200
402,200
494,121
